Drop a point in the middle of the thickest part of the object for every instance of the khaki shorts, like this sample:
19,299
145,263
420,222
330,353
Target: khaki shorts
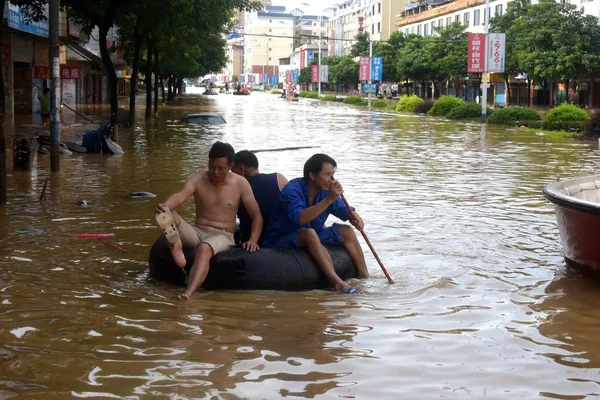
192,235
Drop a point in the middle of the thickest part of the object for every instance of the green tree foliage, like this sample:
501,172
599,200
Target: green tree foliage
361,46
389,52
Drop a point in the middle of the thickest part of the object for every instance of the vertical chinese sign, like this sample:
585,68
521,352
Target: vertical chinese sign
377,69
302,59
364,69
314,73
496,45
476,52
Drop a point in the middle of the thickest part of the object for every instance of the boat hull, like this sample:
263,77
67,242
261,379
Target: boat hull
577,207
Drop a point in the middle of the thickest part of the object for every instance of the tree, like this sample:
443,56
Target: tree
389,52
449,53
414,59
361,47
345,72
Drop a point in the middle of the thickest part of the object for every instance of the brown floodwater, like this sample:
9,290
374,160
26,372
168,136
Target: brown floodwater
483,305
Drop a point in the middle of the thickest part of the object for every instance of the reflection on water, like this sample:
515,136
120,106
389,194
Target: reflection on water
483,305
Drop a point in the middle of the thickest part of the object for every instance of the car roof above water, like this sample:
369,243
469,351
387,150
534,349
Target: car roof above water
204,118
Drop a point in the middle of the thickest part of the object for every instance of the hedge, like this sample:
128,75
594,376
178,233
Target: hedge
409,103
444,104
468,110
514,115
355,100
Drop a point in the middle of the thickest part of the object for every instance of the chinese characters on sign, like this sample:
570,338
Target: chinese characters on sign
324,73
302,59
364,69
69,73
288,75
496,46
309,56
476,52
314,73
377,69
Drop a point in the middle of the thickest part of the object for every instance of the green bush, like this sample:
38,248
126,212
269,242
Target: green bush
569,126
444,104
409,103
468,110
425,107
312,95
566,112
379,104
514,115
303,93
329,97
276,91
355,100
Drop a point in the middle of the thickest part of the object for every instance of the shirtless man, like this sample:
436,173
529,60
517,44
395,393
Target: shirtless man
217,194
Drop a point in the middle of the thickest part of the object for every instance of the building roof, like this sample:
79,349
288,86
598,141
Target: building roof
274,15
280,9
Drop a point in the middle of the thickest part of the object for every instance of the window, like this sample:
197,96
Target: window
425,30
373,29
379,27
379,8
475,17
440,23
373,13
419,30
432,27
270,30
406,31
457,18
448,21
498,10
466,18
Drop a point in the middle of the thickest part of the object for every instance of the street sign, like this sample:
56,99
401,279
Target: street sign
265,79
324,73
288,76
364,69
377,69
310,54
370,88
274,80
496,45
476,52
302,59
314,73
296,75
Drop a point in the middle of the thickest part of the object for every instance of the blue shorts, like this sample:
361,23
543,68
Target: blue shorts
330,235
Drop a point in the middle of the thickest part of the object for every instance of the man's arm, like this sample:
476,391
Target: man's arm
309,214
177,199
254,212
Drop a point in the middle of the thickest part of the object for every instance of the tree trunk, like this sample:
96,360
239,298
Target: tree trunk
155,81
507,92
3,178
567,92
178,88
149,53
112,75
529,94
170,95
134,71
162,88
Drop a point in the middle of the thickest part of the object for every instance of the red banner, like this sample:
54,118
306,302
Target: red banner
302,59
476,52
364,69
69,73
314,73
288,75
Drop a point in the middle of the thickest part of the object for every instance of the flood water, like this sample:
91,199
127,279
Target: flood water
483,307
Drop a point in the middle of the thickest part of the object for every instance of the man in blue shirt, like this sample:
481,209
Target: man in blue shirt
299,216
266,189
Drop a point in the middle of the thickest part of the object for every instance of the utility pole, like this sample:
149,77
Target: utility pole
370,68
319,80
486,15
54,88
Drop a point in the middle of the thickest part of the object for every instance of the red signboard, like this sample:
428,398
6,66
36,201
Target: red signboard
302,59
476,52
69,73
40,72
361,24
314,73
364,69
288,75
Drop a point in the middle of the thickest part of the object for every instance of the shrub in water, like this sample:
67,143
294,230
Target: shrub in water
567,112
276,91
329,97
593,127
303,93
409,103
379,104
425,107
514,115
312,95
444,104
468,110
355,100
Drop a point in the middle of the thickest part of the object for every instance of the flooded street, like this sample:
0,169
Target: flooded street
483,305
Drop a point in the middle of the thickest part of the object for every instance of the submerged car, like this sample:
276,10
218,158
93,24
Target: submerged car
204,118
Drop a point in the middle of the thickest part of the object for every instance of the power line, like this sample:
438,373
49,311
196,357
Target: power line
301,36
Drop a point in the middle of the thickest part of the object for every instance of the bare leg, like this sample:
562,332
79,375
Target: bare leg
352,246
198,271
177,247
309,239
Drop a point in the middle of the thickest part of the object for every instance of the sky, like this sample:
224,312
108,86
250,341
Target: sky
314,8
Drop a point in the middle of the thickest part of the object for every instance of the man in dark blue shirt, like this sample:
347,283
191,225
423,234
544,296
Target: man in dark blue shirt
299,216
266,188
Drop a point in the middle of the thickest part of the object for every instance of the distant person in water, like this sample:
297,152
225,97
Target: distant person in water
217,193
266,189
298,219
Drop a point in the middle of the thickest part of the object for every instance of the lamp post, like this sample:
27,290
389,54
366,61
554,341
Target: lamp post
319,80
486,15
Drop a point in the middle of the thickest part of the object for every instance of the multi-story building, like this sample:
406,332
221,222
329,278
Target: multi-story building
422,17
268,36
375,17
235,58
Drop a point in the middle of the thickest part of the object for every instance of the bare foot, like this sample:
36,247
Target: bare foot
177,253
183,297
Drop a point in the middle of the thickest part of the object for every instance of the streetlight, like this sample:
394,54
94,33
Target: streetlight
320,32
